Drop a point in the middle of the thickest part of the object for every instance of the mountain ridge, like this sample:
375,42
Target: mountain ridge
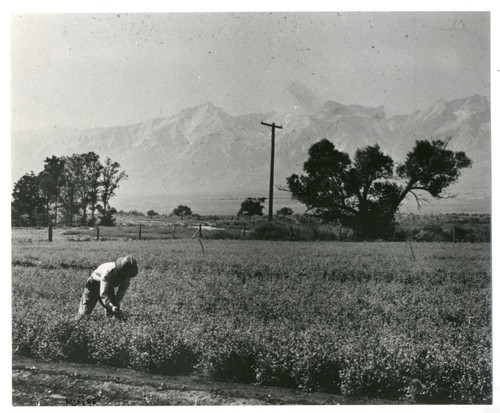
204,149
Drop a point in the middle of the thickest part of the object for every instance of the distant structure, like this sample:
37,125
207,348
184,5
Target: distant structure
273,126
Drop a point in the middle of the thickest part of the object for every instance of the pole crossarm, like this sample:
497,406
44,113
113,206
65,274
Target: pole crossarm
273,127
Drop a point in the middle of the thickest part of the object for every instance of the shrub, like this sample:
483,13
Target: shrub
432,232
251,206
182,211
135,213
227,355
315,232
161,351
152,213
76,347
283,231
223,234
285,211
267,230
108,344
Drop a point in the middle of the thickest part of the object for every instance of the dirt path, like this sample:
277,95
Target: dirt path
36,382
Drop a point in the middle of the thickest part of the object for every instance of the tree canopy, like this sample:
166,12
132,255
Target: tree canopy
28,202
68,188
285,211
182,210
252,206
365,193
152,213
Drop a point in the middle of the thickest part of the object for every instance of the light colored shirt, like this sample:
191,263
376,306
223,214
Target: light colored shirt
108,277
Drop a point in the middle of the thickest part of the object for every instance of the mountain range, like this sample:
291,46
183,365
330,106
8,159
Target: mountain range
205,150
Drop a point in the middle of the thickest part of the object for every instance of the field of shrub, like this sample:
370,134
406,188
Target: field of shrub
371,319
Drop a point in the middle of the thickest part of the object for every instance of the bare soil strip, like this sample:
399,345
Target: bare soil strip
49,383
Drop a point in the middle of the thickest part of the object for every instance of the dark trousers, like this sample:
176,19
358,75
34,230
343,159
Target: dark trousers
91,296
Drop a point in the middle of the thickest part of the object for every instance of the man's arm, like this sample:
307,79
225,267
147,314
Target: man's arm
104,293
122,289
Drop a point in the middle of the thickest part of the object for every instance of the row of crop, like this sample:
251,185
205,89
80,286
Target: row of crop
388,262
300,300
412,308
311,250
290,350
364,364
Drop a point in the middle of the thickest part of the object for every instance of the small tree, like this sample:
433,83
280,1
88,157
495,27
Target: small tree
252,206
182,211
110,180
28,202
69,193
285,211
51,183
152,213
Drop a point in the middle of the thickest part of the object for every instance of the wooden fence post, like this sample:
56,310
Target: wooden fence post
140,231
244,230
97,229
200,231
173,235
412,253
50,232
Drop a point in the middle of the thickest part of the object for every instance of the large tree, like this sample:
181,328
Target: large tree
366,193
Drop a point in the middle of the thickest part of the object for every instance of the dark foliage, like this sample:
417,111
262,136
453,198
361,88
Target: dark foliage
252,206
70,188
182,211
285,211
365,194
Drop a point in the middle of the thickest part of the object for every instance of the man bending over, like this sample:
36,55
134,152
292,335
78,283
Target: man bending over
101,286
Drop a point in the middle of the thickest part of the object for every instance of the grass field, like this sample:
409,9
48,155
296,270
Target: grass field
398,321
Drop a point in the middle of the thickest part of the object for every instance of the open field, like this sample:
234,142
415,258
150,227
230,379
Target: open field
404,322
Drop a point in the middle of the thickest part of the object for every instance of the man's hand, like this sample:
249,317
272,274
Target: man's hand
115,310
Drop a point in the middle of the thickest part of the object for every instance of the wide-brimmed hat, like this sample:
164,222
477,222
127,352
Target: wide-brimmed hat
127,265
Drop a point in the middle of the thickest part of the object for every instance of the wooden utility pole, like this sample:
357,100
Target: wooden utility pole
273,126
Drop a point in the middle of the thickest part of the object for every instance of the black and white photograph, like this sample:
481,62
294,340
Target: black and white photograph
251,207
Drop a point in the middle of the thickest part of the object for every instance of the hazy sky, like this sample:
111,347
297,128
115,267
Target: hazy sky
92,70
